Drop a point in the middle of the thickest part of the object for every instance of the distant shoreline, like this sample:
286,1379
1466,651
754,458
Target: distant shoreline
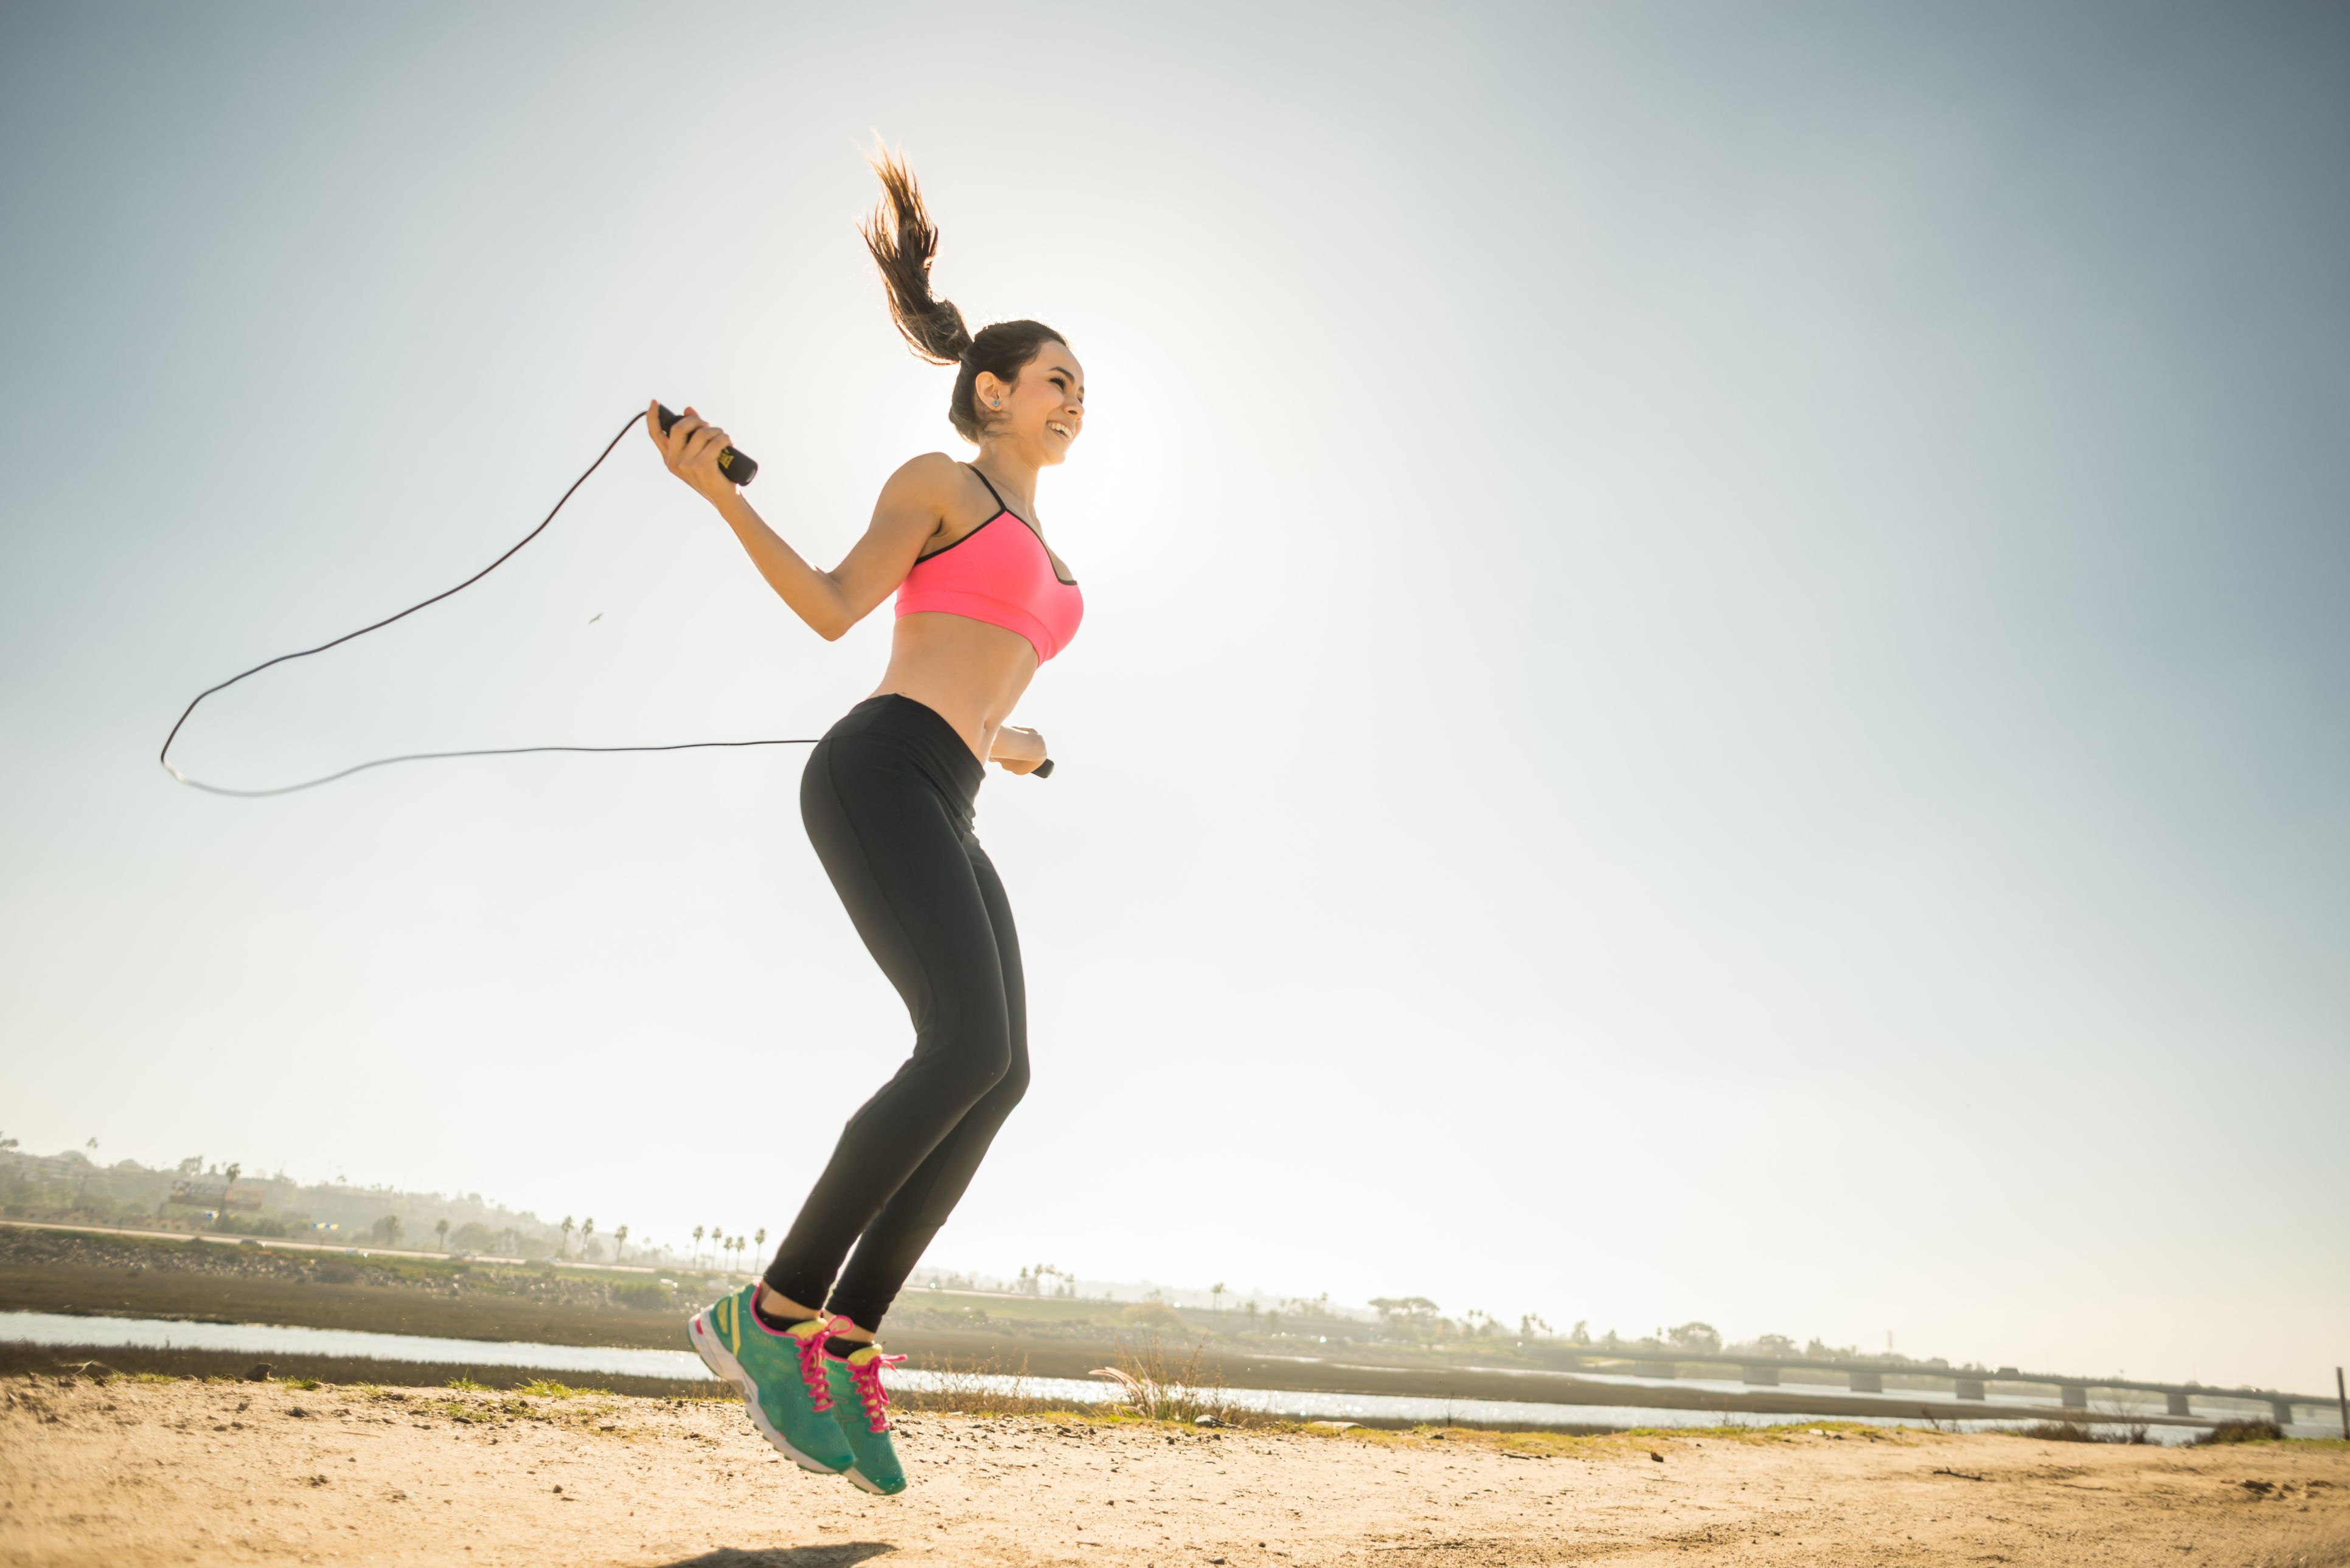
91,1273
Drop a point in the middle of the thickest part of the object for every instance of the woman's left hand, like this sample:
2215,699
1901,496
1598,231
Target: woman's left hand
1016,749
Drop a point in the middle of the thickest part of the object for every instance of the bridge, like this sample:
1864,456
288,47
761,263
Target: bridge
1970,1383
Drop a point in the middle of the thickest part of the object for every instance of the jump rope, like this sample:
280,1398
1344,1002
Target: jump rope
737,466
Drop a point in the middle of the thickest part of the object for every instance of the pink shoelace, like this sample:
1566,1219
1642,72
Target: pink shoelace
811,1353
867,1376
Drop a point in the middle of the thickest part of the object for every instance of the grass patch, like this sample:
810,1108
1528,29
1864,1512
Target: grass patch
545,1388
467,1386
471,1415
643,1296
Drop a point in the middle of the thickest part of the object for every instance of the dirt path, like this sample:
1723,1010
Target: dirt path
136,1473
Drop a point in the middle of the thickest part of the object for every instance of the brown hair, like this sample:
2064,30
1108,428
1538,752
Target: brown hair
904,241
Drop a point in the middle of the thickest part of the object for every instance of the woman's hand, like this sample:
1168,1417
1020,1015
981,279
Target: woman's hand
690,449
1016,749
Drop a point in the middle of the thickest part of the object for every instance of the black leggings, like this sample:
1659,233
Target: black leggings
887,798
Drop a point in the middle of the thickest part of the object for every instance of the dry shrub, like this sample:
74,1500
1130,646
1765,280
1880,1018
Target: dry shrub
1157,1387
2261,1430
964,1389
2070,1431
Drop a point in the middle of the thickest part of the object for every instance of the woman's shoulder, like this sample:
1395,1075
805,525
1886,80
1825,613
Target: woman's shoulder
934,497
933,476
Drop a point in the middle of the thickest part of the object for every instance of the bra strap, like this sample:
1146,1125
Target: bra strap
1000,506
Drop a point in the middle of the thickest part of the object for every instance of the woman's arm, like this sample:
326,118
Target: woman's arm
912,504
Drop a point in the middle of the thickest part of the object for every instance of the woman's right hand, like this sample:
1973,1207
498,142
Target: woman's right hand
1016,749
691,451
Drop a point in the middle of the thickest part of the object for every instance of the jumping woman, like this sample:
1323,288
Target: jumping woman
887,799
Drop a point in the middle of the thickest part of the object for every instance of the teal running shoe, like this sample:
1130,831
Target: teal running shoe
861,1407
781,1377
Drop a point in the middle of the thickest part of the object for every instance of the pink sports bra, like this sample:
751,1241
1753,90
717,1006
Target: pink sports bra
1003,576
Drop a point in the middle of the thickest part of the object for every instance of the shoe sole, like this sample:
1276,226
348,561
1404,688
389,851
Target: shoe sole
855,1478
726,1369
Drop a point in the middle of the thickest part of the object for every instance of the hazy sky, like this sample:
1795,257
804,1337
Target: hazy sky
1713,683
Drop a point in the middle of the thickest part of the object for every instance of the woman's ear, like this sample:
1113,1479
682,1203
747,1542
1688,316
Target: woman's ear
990,390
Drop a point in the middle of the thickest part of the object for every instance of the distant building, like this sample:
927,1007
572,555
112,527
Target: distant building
210,1193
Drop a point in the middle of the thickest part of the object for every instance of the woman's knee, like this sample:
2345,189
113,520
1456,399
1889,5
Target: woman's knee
1010,1084
975,1061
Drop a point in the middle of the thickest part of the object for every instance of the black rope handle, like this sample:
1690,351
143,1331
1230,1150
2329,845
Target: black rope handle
164,756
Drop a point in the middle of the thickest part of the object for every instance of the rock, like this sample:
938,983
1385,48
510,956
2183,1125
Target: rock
259,1373
1205,1421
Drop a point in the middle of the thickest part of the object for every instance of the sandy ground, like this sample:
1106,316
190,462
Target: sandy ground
132,1473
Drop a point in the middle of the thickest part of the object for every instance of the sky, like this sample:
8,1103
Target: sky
1712,684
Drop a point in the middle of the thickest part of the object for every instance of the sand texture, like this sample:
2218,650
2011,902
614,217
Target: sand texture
125,1473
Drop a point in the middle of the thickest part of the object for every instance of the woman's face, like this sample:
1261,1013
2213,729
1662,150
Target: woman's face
1042,410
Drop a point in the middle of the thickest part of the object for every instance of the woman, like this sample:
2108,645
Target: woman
888,796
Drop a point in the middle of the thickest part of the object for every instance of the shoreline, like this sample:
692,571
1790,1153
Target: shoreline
82,1276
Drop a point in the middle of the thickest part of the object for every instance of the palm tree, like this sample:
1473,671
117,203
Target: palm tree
566,1235
440,1228
587,1230
83,1185
761,1239
1215,1296
619,1244
234,1171
697,1244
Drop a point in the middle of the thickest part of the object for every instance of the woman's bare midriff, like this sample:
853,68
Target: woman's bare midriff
966,671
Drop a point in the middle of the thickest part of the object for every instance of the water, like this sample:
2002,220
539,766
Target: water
264,1339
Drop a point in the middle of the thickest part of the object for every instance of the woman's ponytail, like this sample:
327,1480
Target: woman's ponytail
904,241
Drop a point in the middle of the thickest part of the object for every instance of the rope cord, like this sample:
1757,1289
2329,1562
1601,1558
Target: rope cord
164,756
